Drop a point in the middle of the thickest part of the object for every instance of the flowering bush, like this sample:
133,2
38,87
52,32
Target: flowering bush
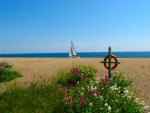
77,75
90,95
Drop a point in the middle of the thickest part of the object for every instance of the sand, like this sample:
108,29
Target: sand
36,69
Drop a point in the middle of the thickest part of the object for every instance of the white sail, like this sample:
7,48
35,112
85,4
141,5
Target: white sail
72,52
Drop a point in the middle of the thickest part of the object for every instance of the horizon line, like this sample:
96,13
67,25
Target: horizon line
68,52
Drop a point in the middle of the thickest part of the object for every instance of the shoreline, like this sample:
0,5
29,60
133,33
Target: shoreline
65,58
135,54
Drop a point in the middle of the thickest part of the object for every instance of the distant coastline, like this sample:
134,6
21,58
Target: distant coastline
80,54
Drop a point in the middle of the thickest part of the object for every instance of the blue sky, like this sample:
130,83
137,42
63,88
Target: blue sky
49,25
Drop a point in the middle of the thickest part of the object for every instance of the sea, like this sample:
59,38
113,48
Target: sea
80,54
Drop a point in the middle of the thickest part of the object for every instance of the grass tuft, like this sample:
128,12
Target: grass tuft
7,72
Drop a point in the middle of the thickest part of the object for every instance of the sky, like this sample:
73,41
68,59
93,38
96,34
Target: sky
48,26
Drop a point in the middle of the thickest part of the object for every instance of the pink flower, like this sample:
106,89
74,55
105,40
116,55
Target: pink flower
77,71
82,100
105,79
70,99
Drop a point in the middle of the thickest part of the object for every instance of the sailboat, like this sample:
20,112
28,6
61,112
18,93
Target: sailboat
72,53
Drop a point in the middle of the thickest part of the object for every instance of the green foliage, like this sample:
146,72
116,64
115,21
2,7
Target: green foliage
34,99
121,81
7,73
61,78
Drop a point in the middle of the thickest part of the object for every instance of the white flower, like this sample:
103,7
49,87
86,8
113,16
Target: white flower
119,88
97,80
142,103
91,104
92,87
146,107
114,87
131,93
101,97
95,94
109,108
136,100
106,104
78,82
129,97
126,91
95,87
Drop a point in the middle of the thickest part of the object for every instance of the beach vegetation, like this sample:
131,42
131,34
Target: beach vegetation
33,99
77,90
7,72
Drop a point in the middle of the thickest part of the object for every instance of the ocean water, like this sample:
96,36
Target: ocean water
81,55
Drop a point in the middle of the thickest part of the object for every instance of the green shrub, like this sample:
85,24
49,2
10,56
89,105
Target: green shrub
7,72
9,75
